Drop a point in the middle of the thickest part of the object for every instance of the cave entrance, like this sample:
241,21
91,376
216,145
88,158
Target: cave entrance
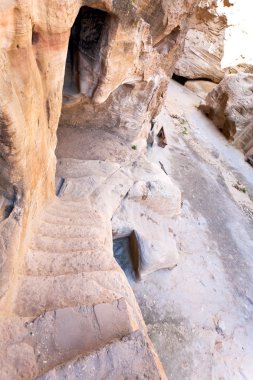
87,48
87,51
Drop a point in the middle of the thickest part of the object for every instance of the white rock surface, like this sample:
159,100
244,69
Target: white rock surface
199,315
156,254
160,195
147,209
230,106
218,40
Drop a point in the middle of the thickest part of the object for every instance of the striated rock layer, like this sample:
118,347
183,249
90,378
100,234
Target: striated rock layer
217,41
204,44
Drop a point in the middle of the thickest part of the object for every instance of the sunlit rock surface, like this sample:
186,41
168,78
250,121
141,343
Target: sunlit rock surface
101,68
217,41
147,209
204,44
230,106
118,56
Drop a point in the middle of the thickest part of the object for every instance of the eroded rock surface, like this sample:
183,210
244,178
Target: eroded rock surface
217,41
111,61
147,209
204,44
118,57
70,288
230,106
125,359
199,315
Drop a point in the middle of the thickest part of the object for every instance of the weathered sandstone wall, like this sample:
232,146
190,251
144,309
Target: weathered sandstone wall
204,44
135,46
217,41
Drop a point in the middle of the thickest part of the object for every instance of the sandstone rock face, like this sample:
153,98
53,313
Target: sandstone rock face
118,57
204,44
77,66
136,55
230,106
217,41
70,288
200,87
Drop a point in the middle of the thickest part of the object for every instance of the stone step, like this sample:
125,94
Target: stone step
79,189
70,220
66,244
32,347
69,212
55,264
61,203
70,332
74,168
131,358
36,295
71,231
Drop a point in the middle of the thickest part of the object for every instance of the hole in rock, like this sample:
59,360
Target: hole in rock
183,80
87,47
6,206
174,34
179,79
127,255
161,138
35,37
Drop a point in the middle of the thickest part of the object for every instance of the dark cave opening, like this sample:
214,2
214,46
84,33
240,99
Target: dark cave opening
87,48
183,80
121,251
179,79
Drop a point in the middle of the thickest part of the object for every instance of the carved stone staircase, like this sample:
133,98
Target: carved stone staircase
74,313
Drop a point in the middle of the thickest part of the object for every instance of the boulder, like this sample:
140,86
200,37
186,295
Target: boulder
147,210
230,106
156,254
